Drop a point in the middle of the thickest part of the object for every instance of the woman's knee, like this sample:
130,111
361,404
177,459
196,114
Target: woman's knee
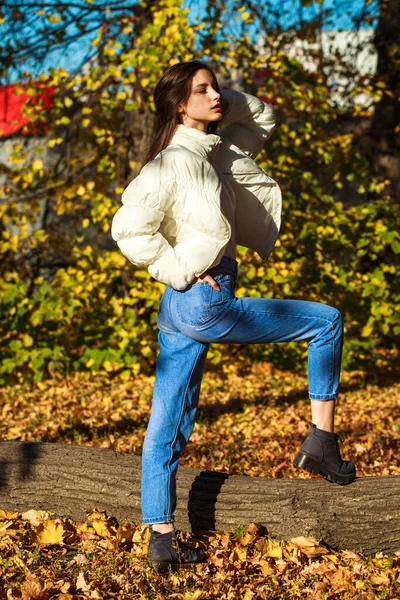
337,319
335,322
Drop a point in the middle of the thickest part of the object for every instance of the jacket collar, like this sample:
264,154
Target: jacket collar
204,144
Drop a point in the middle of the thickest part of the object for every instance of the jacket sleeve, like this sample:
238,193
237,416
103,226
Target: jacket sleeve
247,123
135,227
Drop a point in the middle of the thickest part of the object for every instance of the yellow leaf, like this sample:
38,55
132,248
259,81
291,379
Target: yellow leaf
54,19
68,102
367,330
37,164
332,557
246,16
27,340
50,533
275,553
100,525
5,514
54,142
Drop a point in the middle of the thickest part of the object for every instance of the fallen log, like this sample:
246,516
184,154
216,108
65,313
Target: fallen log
72,480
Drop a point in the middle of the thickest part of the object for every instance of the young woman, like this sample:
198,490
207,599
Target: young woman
199,195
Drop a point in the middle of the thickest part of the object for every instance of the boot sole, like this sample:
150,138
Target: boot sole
310,464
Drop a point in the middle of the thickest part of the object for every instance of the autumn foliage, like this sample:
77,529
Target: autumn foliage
71,302
250,424
70,560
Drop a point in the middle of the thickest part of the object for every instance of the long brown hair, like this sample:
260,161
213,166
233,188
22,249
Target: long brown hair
171,91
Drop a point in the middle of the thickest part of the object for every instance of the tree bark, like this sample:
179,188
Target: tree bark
72,480
385,137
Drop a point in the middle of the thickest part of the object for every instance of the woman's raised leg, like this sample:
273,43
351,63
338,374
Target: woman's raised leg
263,320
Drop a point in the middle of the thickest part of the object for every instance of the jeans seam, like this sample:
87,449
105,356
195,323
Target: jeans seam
332,353
177,428
166,519
331,396
256,312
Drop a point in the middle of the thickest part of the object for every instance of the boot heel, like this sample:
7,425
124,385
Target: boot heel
307,463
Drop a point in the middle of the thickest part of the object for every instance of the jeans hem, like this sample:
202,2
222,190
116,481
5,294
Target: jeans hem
322,396
164,519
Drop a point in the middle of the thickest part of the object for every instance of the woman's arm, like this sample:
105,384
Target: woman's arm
136,225
247,123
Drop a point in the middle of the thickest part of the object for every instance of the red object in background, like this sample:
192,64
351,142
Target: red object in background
12,102
261,75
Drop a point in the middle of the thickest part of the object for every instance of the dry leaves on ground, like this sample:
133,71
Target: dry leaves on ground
90,561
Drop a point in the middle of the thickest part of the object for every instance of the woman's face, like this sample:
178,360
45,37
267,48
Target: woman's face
204,104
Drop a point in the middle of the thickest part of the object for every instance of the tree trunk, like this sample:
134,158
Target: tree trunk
71,480
385,150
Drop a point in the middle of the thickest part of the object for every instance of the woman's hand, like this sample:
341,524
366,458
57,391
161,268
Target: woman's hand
210,280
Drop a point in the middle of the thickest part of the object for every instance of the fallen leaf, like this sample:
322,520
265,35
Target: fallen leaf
81,583
50,533
269,548
6,514
310,546
250,534
380,580
264,566
100,525
33,590
79,559
35,517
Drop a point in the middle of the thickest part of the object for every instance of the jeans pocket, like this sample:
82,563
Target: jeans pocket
221,299
193,306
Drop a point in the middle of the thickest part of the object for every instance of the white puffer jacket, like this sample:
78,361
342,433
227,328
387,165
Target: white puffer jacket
171,219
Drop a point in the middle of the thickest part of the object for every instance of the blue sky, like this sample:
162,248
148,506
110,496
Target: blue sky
289,11
343,11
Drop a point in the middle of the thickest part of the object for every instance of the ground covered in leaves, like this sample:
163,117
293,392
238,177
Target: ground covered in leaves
45,557
249,423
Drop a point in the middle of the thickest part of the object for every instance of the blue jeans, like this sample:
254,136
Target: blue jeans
189,321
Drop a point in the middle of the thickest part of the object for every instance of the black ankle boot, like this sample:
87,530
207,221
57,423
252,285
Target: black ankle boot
320,454
165,552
